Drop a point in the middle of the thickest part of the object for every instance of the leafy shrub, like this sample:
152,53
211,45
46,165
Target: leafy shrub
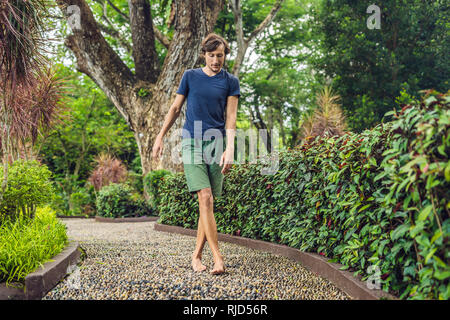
140,207
152,182
28,187
83,201
379,198
116,200
25,244
135,181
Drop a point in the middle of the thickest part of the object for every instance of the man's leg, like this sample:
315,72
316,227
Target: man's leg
197,255
208,224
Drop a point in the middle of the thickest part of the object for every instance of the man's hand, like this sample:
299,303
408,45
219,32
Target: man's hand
158,147
227,160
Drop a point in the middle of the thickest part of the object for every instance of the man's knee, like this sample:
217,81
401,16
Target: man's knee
205,195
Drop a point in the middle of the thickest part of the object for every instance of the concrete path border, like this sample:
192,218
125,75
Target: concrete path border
131,219
41,281
344,280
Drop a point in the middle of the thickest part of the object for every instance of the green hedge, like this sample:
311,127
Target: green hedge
116,201
379,198
152,182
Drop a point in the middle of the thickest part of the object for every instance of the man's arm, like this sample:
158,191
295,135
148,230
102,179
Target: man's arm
172,115
230,127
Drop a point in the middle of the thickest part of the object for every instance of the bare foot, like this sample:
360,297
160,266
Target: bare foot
219,267
197,265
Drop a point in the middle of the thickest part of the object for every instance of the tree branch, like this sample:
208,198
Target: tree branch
144,51
95,57
161,37
269,18
190,27
116,35
127,18
243,43
158,34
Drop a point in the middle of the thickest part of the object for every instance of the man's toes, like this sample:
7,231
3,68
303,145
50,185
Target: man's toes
218,270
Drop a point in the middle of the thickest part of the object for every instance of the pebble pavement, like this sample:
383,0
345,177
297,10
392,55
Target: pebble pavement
133,261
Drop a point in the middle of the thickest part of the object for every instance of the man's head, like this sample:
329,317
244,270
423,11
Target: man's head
214,50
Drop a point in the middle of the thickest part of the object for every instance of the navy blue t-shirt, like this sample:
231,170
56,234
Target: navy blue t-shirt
206,100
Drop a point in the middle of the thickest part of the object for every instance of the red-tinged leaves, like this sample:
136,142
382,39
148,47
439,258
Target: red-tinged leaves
397,206
108,170
288,179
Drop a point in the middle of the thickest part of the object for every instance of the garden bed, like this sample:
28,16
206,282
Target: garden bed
344,280
130,219
41,281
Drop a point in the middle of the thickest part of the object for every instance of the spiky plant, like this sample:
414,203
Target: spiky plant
327,119
107,170
27,94
21,28
32,111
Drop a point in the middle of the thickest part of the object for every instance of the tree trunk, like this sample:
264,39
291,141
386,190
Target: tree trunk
143,98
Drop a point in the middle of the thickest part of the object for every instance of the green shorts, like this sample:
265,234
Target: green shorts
201,164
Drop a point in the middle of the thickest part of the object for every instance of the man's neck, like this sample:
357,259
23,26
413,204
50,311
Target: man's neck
209,72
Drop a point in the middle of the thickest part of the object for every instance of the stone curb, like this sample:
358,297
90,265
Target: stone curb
118,220
74,217
344,280
40,282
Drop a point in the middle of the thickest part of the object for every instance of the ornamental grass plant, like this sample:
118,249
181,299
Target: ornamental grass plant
26,244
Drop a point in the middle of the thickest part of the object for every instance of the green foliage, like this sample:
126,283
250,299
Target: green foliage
91,125
370,67
279,84
378,198
113,200
152,182
143,93
28,186
83,201
135,180
177,206
25,244
116,201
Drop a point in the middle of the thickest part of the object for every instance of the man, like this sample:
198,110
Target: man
211,92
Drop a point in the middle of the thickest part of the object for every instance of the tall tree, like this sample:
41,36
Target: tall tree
142,96
243,42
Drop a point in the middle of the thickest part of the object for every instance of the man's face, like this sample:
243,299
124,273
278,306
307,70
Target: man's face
215,59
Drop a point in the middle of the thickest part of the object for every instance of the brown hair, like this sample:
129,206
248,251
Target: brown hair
212,41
